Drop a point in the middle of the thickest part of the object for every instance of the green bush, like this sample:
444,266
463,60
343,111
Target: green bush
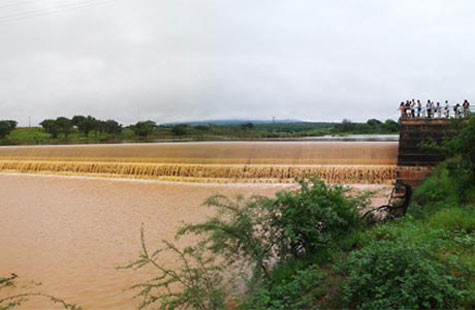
393,275
437,192
293,224
315,217
439,187
291,288
455,219
461,162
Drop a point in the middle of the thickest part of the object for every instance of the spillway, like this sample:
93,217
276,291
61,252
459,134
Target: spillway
213,162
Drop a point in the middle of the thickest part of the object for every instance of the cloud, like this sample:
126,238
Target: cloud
178,60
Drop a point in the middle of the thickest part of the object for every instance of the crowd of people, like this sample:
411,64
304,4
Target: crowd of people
415,109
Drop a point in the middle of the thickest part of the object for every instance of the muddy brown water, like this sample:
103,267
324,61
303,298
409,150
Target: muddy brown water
65,235
70,233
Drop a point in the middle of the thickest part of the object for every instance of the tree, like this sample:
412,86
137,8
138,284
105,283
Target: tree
390,125
84,124
247,126
143,129
50,126
6,127
374,124
65,125
179,130
77,119
112,127
346,126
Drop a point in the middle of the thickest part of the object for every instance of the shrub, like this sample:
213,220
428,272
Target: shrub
437,192
461,165
393,275
315,217
196,285
296,289
454,220
295,223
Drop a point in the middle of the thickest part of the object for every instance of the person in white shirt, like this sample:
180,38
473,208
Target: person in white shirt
439,110
456,110
447,109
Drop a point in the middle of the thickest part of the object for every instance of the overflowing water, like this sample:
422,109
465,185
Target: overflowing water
208,173
265,162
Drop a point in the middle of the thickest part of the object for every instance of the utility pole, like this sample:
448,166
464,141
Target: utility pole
29,121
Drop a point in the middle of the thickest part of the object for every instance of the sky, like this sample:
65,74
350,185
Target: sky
184,60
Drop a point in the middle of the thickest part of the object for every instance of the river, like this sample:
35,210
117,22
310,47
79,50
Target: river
69,233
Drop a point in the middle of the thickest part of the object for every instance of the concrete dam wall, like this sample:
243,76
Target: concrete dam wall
415,163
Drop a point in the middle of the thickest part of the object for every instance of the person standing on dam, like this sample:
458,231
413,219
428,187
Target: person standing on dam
419,108
408,109
447,109
429,108
466,108
402,109
413,108
439,110
456,110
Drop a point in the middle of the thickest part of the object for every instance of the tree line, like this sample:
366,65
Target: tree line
88,124
372,125
84,124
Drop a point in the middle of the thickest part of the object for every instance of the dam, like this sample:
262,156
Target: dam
213,162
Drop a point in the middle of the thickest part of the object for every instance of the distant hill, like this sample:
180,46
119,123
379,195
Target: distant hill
235,122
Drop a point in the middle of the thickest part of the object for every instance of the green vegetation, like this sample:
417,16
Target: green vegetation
6,127
310,249
87,129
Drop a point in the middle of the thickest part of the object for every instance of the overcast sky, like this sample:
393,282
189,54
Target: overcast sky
178,60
